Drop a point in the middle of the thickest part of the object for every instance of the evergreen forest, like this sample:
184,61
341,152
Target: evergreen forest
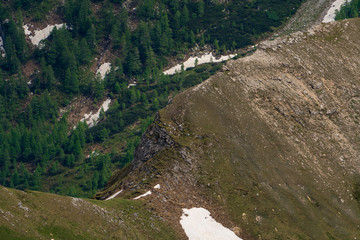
40,148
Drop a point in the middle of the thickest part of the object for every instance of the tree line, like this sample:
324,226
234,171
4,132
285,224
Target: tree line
36,141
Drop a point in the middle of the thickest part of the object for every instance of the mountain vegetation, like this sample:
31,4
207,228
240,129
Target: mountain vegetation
266,143
39,148
350,9
36,215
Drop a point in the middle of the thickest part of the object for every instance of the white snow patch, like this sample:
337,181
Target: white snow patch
114,195
199,225
2,49
330,15
104,69
26,30
145,194
91,119
157,186
207,58
41,34
131,85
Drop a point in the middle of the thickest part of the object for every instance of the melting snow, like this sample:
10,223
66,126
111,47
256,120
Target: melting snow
91,119
145,194
26,30
330,15
114,195
199,225
207,58
104,69
41,34
2,49
157,186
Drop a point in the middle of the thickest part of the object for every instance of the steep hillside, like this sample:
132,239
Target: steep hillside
103,62
270,145
35,215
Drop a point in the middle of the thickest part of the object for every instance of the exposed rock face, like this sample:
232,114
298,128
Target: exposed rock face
154,140
271,142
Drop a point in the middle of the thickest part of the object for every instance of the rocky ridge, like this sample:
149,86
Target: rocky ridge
270,144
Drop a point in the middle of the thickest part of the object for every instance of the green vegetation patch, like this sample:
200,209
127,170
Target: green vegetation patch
35,215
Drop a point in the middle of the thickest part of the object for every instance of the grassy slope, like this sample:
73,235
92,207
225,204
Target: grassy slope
273,138
36,215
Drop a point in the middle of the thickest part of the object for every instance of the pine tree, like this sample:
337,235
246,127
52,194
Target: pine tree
54,168
103,134
150,58
133,97
117,88
36,178
13,62
91,37
144,100
133,62
200,8
85,52
155,104
192,38
68,81
98,88
15,178
74,82
95,180
51,80
185,16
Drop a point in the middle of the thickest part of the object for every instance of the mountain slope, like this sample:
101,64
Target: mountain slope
36,215
270,144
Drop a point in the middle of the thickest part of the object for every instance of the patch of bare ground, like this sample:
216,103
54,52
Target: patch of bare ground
79,106
29,68
51,18
310,13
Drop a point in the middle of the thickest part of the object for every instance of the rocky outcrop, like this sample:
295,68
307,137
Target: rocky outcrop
153,141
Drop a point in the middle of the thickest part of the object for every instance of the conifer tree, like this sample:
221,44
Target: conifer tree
68,81
85,52
91,37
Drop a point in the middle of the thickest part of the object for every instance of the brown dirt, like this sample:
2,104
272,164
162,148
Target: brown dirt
80,106
30,67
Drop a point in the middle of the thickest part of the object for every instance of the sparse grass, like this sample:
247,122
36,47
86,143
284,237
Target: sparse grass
52,216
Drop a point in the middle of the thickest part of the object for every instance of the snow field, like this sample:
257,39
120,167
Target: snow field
143,195
104,69
199,225
91,119
330,15
41,34
157,186
114,195
207,58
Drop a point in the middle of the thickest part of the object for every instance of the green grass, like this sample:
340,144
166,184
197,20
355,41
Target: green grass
53,216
